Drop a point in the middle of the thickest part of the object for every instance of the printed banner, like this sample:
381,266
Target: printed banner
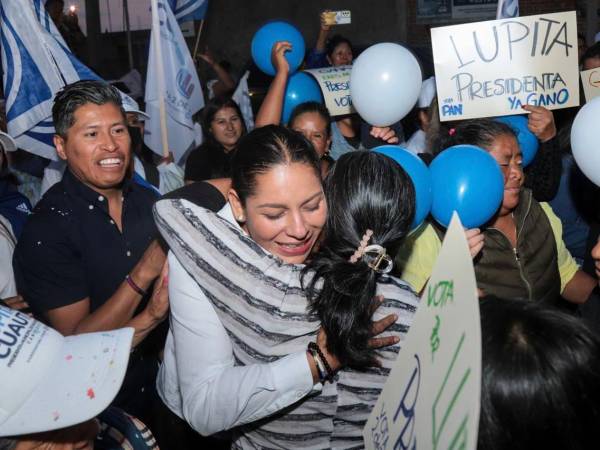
493,68
432,396
335,85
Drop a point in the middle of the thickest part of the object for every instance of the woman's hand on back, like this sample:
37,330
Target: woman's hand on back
278,57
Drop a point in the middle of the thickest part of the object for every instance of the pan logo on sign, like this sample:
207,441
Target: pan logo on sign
452,110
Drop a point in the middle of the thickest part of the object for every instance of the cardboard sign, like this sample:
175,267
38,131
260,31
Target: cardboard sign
493,68
591,83
335,85
431,398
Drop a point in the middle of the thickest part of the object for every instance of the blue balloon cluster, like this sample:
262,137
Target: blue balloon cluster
267,36
300,88
528,142
468,180
419,175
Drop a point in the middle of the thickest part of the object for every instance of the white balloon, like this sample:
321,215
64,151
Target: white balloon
585,140
385,83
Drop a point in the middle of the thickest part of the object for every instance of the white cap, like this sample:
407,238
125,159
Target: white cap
427,94
48,381
7,142
139,113
131,106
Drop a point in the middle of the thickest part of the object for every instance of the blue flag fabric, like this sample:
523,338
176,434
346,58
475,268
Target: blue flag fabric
186,10
182,90
507,9
37,63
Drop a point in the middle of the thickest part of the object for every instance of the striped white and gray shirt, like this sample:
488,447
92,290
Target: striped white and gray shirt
261,304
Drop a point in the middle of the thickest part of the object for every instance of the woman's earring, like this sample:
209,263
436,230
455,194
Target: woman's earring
240,218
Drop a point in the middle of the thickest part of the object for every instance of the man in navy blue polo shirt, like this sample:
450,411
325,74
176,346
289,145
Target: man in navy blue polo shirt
87,258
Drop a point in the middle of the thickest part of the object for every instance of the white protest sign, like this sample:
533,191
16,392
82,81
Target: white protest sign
431,398
335,85
591,83
493,68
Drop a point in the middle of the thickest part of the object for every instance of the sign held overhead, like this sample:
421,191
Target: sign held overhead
494,68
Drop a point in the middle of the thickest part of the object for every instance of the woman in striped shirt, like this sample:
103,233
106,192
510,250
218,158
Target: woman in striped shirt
261,301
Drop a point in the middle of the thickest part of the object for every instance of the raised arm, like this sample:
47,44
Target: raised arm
226,83
316,56
272,106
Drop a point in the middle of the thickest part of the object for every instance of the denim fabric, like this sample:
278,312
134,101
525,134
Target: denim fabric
339,144
564,204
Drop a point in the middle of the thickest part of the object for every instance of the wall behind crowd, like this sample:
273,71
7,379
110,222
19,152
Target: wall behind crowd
231,24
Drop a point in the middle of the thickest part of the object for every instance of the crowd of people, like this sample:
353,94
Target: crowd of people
257,295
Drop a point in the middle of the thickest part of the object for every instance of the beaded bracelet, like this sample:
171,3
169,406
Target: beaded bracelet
320,367
134,286
315,347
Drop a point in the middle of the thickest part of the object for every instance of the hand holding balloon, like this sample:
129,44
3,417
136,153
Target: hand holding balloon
528,141
475,239
270,34
278,57
386,134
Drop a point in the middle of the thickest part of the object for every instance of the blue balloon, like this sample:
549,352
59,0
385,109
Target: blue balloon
468,180
267,36
419,175
527,140
300,88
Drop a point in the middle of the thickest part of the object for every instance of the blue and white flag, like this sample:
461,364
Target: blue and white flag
182,90
186,10
242,98
37,63
507,9
44,18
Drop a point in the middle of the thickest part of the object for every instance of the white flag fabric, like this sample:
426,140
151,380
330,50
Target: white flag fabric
242,98
37,63
507,9
183,94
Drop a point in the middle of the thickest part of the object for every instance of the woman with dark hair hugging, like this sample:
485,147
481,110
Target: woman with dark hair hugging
273,305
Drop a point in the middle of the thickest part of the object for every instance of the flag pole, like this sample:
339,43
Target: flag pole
128,29
198,40
160,78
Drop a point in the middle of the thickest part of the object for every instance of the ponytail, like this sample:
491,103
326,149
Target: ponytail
365,191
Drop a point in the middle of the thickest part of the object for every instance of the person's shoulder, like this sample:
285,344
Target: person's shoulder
199,193
204,148
53,209
144,194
